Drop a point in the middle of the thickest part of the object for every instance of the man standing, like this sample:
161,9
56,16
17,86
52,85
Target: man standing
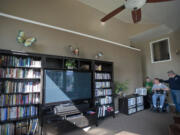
174,84
159,90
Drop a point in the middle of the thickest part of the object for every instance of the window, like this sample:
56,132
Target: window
160,50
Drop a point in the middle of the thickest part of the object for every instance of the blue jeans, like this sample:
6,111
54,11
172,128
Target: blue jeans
176,98
155,97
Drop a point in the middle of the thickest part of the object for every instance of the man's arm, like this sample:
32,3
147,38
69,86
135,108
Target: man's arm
164,81
178,79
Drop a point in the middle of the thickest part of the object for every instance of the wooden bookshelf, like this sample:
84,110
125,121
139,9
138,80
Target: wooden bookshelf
103,89
17,106
55,63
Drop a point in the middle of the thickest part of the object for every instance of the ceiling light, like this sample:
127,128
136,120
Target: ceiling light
103,23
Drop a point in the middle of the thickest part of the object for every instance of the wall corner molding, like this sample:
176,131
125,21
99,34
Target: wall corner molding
66,30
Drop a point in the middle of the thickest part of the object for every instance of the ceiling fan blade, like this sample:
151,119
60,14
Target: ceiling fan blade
153,1
113,13
136,15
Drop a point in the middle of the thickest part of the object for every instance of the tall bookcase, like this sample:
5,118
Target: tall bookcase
21,88
103,89
20,91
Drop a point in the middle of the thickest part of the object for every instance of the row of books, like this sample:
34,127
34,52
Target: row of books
12,113
19,99
20,128
19,61
18,73
105,100
7,129
103,92
104,111
104,76
105,84
21,87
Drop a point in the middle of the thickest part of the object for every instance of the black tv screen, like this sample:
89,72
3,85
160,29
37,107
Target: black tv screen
63,86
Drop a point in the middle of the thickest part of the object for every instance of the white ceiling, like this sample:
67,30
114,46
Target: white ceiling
151,34
164,13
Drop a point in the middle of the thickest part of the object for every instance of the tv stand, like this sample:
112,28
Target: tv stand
69,113
70,108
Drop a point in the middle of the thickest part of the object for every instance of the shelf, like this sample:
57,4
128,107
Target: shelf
102,96
103,80
80,70
20,67
20,93
103,71
20,78
18,119
54,62
85,65
104,88
71,69
7,106
76,63
107,115
105,104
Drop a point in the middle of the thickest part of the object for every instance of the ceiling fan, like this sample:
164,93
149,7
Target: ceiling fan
135,6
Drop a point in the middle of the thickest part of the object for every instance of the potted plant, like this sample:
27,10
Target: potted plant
120,87
70,64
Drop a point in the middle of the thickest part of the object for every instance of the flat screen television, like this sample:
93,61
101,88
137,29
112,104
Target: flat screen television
66,86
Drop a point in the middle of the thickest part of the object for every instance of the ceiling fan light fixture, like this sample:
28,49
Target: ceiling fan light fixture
103,23
134,4
135,7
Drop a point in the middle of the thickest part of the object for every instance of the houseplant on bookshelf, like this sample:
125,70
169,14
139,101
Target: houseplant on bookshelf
70,64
